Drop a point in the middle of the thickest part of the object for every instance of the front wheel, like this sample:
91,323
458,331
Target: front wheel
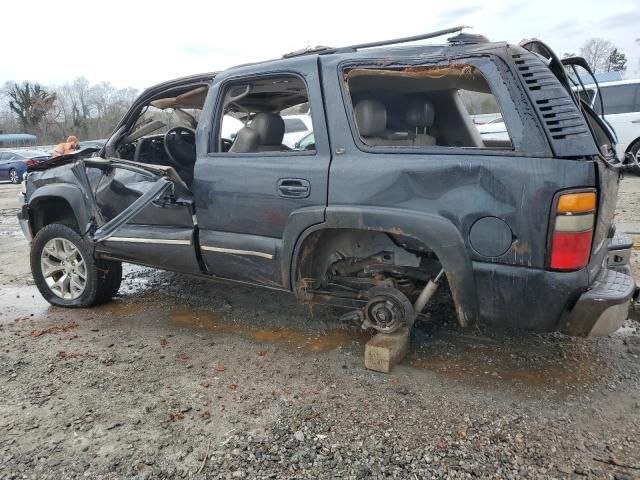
14,177
65,271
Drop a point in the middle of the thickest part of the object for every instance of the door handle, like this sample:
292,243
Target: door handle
637,120
294,188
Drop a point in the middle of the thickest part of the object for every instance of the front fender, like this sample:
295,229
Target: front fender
73,196
433,232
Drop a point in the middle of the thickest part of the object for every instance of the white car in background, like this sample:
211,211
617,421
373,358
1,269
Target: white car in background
493,131
621,101
295,127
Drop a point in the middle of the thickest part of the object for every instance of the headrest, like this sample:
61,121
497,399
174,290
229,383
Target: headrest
420,113
270,128
246,141
371,118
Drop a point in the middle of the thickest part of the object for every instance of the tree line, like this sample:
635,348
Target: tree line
92,111
602,56
53,113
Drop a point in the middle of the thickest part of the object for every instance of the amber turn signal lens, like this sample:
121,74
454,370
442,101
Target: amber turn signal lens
577,202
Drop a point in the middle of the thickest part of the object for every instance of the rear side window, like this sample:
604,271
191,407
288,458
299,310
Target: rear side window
426,106
620,99
265,114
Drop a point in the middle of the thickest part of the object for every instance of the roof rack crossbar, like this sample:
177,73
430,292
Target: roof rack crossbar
413,38
394,41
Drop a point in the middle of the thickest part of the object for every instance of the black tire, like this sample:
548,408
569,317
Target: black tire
14,177
635,148
112,281
102,277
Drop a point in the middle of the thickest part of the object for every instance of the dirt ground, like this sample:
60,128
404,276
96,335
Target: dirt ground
183,378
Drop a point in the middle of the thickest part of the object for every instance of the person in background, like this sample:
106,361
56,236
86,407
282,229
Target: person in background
65,148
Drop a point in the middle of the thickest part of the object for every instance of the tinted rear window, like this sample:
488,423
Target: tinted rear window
620,99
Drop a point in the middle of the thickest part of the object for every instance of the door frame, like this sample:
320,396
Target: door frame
259,257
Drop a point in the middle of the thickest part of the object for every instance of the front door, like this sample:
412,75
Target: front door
144,214
251,182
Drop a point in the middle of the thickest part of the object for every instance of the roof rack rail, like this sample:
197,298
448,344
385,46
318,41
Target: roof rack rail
321,50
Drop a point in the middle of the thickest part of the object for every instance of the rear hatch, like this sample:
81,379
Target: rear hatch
599,148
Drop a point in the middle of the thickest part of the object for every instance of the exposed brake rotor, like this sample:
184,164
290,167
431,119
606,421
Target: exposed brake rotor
388,309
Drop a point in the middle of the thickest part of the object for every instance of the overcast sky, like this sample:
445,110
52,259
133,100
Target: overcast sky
139,43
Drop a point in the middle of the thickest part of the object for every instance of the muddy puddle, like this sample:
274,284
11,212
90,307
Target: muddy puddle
216,322
561,368
20,303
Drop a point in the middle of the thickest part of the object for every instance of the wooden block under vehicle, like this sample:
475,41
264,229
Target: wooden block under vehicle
385,350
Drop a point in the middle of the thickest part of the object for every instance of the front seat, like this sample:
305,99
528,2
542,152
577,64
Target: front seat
246,141
421,116
270,130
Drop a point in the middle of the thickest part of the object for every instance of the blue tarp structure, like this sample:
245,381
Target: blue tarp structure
16,139
602,77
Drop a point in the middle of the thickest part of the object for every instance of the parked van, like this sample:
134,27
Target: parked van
621,100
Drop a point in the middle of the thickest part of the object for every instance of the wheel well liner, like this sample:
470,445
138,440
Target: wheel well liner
58,204
436,234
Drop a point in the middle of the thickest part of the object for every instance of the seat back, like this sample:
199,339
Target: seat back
371,120
270,130
421,116
246,141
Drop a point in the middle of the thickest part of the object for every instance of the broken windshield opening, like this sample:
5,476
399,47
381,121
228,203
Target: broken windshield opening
164,131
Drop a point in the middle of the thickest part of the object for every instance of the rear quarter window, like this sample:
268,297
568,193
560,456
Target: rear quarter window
448,106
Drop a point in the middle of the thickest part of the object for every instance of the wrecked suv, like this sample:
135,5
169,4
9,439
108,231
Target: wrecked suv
397,190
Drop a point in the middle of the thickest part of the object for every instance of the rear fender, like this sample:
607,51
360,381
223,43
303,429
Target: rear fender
431,232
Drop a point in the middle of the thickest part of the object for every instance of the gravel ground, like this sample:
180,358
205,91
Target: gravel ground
182,378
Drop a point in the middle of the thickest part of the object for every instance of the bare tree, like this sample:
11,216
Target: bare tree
597,52
52,113
30,102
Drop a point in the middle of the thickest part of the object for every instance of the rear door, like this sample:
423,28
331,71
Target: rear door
250,204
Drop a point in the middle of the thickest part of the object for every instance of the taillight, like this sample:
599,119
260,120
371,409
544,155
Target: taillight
30,161
572,230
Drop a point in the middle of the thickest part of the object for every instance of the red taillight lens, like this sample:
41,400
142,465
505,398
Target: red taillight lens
30,161
570,251
572,231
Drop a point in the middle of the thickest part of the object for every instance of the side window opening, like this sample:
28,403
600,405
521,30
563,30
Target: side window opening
268,114
427,106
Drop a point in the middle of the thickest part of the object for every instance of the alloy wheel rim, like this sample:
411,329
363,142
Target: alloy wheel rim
63,268
14,176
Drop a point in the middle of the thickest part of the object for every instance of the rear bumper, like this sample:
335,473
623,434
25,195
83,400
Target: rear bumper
603,308
541,300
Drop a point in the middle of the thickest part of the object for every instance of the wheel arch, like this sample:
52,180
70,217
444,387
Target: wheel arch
431,232
58,204
632,143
